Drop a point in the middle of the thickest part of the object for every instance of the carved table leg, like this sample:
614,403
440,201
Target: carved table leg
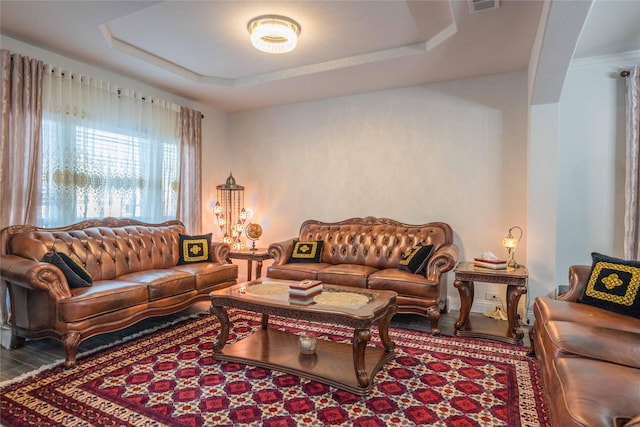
465,288
360,339
383,328
258,269
265,321
221,314
70,343
513,297
249,269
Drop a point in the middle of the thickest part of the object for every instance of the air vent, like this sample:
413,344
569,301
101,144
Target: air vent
482,5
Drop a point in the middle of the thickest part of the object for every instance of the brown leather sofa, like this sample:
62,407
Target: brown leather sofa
134,270
590,359
366,252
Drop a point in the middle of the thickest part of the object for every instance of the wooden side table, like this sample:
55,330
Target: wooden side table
515,279
258,255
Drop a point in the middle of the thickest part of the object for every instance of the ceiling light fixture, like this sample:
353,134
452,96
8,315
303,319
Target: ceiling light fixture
274,33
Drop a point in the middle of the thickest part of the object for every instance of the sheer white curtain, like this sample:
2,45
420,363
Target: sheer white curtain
632,177
106,151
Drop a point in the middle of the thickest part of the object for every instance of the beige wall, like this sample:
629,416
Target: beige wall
452,152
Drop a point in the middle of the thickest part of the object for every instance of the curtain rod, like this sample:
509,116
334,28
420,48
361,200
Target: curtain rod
624,73
143,98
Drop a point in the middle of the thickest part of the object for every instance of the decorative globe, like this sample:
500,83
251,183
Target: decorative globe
253,232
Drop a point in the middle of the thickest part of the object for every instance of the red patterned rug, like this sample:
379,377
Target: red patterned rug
169,378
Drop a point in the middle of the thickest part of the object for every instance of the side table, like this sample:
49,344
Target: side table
515,279
258,255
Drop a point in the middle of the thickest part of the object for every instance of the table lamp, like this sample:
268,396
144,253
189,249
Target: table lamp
511,243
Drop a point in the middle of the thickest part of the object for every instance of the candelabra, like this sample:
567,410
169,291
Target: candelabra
230,213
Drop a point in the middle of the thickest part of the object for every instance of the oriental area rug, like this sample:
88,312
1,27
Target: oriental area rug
168,377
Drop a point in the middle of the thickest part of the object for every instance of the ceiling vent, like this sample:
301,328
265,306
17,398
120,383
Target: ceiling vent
482,5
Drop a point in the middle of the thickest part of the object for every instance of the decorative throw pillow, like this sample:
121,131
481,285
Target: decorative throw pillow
614,284
74,279
306,251
415,260
194,249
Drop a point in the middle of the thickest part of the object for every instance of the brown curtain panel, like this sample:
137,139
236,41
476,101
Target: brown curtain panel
189,209
21,91
632,178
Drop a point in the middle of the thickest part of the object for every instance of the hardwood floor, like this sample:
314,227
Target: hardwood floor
38,353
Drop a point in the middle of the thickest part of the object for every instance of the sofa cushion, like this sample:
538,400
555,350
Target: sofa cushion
296,271
306,251
194,248
547,309
614,284
610,345
77,277
105,296
208,274
162,283
592,392
346,274
416,258
403,282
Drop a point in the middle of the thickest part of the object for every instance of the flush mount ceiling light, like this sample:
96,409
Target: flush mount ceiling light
274,33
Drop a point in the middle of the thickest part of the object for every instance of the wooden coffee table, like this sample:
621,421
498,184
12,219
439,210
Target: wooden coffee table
350,367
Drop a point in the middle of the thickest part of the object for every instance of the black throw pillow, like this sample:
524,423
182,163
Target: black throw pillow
415,260
74,279
306,251
194,249
614,285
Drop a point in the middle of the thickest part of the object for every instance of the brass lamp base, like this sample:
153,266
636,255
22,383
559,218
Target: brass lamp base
498,314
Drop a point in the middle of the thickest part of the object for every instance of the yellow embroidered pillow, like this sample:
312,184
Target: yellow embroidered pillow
614,284
306,251
194,249
415,260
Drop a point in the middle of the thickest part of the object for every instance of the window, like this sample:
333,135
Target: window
107,172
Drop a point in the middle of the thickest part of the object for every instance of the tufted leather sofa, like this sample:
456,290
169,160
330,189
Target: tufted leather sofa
590,359
365,253
134,270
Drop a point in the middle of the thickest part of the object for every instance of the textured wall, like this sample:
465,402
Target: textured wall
453,152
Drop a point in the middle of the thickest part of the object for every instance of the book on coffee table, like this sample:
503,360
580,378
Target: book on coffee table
306,288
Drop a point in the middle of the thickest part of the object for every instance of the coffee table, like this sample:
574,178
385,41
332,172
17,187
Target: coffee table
350,367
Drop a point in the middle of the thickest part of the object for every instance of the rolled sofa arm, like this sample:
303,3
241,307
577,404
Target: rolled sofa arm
33,275
220,252
443,260
281,251
578,278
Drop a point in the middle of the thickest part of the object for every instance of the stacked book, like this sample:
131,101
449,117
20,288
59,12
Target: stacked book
494,264
303,292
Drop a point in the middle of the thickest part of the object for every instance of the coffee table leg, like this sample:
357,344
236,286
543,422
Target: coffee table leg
221,314
265,321
360,339
383,328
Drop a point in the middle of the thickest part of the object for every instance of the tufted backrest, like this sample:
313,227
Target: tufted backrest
108,248
375,242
